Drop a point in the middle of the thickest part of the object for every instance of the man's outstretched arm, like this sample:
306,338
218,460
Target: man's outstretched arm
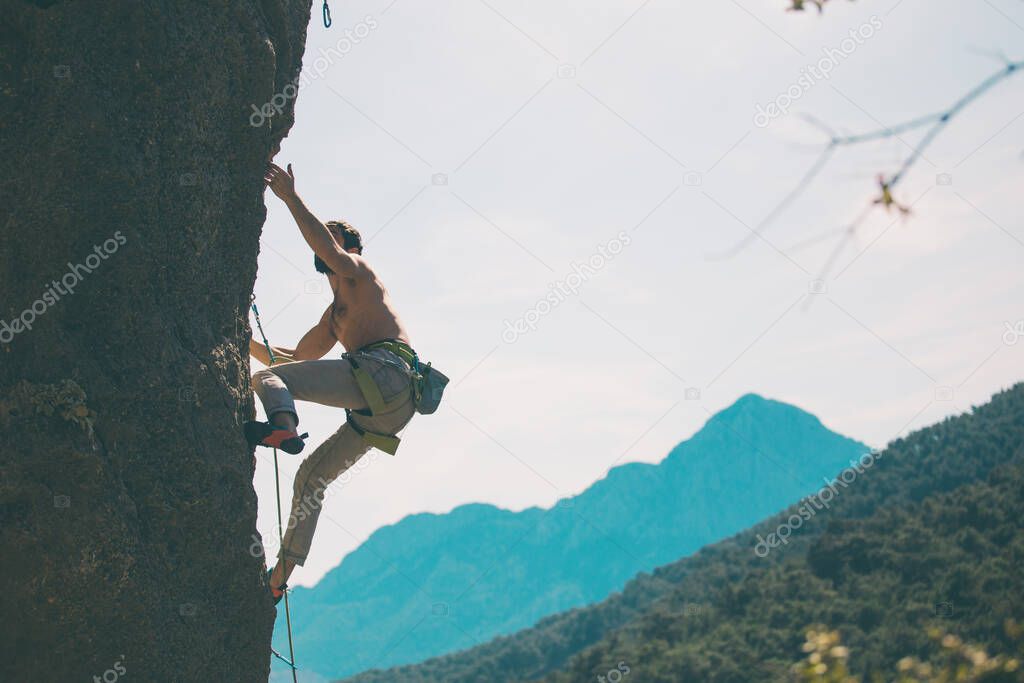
319,239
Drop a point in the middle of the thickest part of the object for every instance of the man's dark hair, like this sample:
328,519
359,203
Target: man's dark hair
350,239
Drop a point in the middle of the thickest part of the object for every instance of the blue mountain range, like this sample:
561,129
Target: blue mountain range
436,583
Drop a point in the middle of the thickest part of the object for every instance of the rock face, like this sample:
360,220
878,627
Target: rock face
132,200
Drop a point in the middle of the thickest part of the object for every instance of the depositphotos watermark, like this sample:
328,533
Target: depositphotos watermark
569,285
350,38
112,674
815,73
810,505
1014,332
65,287
310,503
615,674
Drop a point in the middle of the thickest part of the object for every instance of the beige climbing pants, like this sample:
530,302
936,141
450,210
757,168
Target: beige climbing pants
332,383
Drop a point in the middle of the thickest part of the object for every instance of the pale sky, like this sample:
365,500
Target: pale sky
559,126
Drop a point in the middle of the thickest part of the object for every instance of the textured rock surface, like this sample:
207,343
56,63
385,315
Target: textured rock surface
126,500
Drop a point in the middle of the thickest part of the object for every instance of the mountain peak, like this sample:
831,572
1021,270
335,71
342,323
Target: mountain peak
757,408
752,401
754,424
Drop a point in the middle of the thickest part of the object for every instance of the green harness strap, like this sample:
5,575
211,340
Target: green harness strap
375,399
371,392
384,442
407,354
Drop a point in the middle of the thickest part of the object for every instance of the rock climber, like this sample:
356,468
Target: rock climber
378,380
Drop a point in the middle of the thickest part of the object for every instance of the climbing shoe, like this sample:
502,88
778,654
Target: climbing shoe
276,593
266,434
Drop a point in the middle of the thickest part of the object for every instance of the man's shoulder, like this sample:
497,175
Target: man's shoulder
363,267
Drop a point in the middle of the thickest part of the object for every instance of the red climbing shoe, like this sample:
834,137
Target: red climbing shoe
266,434
276,593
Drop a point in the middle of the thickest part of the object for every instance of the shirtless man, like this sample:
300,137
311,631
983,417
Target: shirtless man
377,346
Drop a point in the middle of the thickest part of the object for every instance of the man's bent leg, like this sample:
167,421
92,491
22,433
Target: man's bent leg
323,466
327,382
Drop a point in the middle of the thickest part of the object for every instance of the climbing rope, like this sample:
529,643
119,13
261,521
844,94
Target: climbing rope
290,660
259,326
327,15
287,613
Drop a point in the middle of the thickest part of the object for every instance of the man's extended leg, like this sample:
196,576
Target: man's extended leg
332,383
328,382
323,466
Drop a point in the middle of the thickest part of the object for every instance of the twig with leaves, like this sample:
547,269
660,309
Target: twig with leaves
934,125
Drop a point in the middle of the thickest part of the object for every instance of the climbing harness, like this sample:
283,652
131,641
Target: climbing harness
327,15
428,381
427,387
290,660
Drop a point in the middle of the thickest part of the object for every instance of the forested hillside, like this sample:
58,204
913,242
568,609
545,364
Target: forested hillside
930,532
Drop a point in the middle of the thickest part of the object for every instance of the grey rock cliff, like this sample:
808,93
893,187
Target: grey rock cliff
132,196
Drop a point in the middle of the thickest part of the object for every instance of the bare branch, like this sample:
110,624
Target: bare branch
937,122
